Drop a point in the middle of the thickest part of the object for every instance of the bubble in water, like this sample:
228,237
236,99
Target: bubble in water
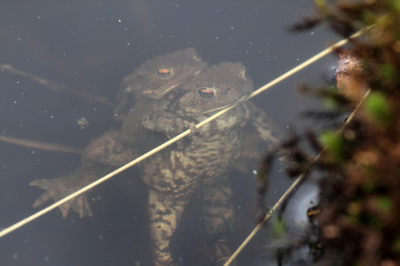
46,258
15,256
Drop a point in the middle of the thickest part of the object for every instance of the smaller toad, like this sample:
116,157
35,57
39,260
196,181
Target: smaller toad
142,92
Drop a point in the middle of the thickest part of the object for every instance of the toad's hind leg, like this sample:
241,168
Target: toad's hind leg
164,215
216,212
217,205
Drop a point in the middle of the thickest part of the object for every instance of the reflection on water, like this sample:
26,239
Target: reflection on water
91,46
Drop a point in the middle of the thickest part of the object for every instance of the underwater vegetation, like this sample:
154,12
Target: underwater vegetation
357,219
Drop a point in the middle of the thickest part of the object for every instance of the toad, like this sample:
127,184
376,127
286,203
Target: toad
144,90
202,160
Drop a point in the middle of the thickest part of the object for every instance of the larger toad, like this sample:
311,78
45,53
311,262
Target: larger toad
203,159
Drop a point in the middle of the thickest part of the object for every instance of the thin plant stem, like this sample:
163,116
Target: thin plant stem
55,86
40,145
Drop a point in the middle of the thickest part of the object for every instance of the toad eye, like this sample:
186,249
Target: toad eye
164,73
205,93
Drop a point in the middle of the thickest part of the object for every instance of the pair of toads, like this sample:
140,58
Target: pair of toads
160,99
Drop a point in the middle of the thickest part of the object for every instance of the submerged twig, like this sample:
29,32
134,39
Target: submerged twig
40,145
55,86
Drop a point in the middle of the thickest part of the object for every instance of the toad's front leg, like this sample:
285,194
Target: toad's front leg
167,123
60,187
268,130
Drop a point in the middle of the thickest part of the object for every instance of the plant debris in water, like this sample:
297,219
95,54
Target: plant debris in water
358,213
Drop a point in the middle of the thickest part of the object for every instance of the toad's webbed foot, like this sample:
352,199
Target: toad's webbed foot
61,187
56,189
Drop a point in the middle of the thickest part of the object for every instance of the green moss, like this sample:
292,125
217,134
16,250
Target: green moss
279,227
330,103
377,107
334,144
368,186
394,5
387,72
396,245
320,3
385,204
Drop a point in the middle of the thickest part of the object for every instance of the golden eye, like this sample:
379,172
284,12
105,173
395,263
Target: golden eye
164,73
205,93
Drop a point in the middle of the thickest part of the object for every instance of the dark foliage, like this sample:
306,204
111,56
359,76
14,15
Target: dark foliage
359,167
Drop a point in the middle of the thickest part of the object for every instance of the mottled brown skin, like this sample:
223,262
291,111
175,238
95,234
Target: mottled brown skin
141,93
203,159
108,150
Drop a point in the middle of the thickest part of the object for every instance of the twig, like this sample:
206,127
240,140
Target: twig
40,145
55,86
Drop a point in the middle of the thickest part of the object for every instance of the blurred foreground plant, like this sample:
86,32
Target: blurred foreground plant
359,168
